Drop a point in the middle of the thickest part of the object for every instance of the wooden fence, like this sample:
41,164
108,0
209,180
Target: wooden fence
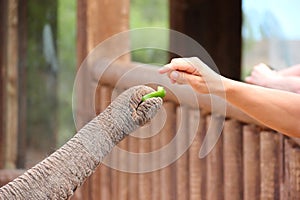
247,162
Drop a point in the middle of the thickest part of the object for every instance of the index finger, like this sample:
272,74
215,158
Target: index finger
165,69
181,64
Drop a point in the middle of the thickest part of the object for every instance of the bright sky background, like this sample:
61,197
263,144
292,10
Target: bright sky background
286,12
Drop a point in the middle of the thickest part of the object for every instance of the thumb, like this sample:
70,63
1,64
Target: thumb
181,77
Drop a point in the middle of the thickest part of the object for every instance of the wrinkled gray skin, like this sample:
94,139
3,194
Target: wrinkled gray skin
58,176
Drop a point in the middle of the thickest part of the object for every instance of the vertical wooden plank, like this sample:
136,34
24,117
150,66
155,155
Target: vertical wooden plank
251,162
233,160
114,12
156,145
281,162
114,176
123,176
95,19
3,33
94,25
133,181
145,182
294,169
168,180
215,188
292,181
82,93
182,167
197,166
286,182
81,31
269,165
11,86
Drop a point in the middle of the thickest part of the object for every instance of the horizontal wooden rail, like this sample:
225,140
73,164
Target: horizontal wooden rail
129,74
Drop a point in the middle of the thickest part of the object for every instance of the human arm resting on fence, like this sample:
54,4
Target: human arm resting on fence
276,109
285,79
293,70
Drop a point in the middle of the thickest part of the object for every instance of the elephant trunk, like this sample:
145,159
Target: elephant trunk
59,175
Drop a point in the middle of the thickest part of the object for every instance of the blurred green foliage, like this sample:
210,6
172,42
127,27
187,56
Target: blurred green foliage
66,48
150,13
40,76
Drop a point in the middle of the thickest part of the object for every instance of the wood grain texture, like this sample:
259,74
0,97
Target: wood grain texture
233,160
133,181
251,161
145,182
182,163
11,87
214,161
94,25
197,166
292,170
3,32
122,180
156,145
168,180
269,165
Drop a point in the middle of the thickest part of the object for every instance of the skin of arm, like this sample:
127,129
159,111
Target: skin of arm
286,79
276,109
291,71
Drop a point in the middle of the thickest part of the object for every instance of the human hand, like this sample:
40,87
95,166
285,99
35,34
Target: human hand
194,72
263,75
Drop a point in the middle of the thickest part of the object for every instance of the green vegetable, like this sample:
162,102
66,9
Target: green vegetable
161,92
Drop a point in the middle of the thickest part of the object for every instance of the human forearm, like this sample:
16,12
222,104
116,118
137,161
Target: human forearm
287,83
275,108
290,71
269,106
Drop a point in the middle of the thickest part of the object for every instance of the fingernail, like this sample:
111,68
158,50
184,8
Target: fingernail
174,75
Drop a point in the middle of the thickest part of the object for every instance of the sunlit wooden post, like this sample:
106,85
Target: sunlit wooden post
233,160
214,162
97,21
197,166
182,164
269,165
251,162
9,84
168,179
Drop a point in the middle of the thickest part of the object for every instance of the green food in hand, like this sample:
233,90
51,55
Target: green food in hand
161,92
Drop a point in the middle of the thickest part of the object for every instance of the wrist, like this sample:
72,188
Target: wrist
223,85
228,87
